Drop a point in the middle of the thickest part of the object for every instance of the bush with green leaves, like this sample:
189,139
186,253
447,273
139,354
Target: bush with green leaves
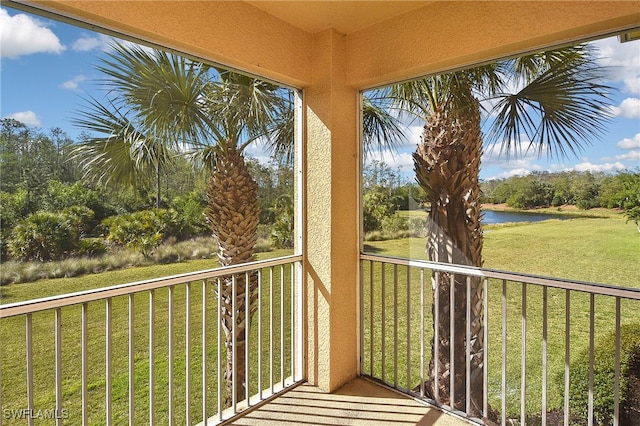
91,247
191,208
603,377
43,236
143,231
282,231
377,204
59,196
80,217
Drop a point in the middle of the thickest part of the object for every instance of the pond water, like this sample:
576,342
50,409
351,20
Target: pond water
494,217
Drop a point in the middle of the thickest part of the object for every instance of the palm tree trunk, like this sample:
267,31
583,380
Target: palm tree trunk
233,214
447,164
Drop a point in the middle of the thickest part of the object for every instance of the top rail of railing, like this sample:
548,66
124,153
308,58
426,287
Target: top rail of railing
42,304
587,287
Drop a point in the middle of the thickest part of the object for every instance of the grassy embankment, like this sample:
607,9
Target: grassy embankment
599,250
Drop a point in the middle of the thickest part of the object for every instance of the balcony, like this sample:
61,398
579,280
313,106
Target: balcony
155,351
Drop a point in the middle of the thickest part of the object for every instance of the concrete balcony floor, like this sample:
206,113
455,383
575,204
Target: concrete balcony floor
359,402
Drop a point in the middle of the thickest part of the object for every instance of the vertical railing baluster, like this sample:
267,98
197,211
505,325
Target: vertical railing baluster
260,334
468,349
371,316
58,328
85,365
408,387
293,323
567,352
108,362
591,354
131,361
436,335
544,356
187,353
395,326
383,322
523,365
452,339
247,343
234,344
301,302
205,369
271,321
422,327
1,416
485,351
282,325
219,346
29,343
616,385
503,390
152,355
171,353
361,318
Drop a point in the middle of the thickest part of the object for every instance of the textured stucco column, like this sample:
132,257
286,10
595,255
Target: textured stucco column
332,220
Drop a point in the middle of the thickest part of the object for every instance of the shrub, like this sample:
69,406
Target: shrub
282,232
143,231
603,377
43,236
80,217
191,208
92,247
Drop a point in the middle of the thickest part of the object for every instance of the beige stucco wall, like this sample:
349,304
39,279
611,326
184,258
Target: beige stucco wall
332,215
331,67
232,33
438,36
450,34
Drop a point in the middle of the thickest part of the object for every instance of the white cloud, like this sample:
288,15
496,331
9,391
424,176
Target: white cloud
22,35
87,43
629,108
412,134
633,155
519,154
74,83
630,143
402,160
27,117
606,167
101,42
622,61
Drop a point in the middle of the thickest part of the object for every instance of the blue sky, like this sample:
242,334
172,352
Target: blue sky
47,67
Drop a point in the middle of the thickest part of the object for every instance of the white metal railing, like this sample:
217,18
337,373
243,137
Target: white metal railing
131,353
533,328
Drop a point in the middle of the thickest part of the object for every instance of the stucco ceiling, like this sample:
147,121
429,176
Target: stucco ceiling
344,16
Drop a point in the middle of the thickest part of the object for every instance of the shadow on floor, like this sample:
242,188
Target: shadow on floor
359,402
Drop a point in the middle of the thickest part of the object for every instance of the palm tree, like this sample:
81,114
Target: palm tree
161,105
154,106
560,106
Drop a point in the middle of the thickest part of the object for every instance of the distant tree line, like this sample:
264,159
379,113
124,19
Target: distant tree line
48,211
585,190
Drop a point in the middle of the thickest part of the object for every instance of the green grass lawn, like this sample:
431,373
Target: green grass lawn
586,249
13,355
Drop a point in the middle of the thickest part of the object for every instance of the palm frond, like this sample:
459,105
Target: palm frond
560,111
121,152
381,129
